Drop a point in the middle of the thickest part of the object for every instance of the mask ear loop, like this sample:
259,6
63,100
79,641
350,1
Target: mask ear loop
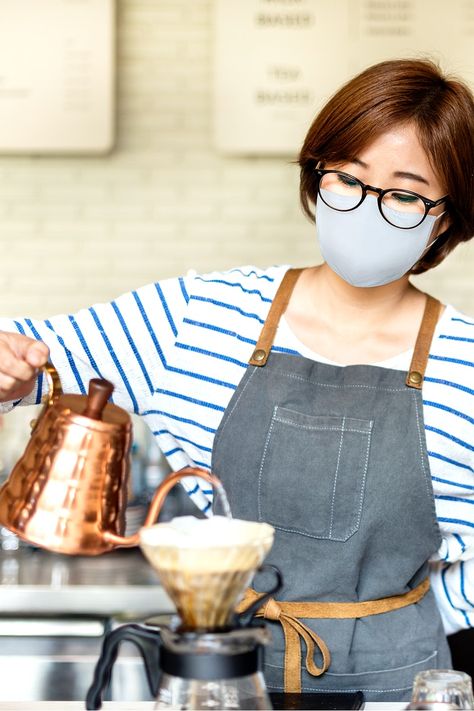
318,165
428,246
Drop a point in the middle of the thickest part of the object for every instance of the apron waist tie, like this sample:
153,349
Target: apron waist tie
287,614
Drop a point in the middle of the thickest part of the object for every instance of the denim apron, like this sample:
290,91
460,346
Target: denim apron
335,459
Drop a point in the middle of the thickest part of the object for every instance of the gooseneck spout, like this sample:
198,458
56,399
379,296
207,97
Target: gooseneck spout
157,502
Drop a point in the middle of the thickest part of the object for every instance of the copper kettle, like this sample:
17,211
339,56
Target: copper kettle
68,492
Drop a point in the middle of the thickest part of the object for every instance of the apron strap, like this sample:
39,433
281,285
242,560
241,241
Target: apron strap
288,614
279,304
421,351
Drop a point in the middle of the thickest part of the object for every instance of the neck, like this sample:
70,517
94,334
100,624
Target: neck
346,304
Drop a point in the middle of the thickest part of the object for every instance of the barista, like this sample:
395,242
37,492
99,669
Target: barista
334,402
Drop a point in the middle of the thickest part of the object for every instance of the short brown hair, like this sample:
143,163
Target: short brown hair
392,93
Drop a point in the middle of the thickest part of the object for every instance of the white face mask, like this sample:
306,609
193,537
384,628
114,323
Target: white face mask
366,250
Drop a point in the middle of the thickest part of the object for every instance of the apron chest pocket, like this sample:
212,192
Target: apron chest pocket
312,474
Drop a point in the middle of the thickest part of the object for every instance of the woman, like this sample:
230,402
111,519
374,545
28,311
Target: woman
334,403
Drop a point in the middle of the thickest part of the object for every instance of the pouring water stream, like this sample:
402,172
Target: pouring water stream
220,491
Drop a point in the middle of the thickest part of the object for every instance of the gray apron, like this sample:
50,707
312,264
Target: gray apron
335,459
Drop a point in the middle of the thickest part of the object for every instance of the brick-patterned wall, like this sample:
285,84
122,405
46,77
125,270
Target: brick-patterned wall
76,230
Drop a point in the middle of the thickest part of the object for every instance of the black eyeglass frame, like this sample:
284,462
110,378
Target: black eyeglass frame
429,204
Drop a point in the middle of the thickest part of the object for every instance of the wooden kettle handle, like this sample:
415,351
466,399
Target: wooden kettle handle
99,392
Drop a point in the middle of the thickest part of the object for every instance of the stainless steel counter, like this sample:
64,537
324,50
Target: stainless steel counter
118,584
54,611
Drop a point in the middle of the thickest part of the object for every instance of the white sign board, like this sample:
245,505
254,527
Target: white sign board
57,76
277,61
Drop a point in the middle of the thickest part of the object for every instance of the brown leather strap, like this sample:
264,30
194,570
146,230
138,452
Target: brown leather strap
287,613
279,304
421,352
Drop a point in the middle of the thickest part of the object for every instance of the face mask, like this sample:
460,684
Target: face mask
366,250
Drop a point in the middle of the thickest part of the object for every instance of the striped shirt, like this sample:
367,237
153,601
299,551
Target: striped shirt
176,351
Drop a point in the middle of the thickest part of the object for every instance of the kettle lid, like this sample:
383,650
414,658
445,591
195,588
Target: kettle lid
91,407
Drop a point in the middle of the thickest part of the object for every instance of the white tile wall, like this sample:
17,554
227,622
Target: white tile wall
78,230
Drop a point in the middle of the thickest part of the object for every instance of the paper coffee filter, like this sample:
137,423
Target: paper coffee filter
206,564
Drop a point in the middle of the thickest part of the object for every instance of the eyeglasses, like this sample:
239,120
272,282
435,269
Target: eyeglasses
401,208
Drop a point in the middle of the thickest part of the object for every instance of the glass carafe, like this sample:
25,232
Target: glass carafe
213,670
192,669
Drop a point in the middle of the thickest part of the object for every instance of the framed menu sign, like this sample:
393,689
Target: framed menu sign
57,76
278,61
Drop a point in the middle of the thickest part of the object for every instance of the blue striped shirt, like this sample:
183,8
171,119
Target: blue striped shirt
177,350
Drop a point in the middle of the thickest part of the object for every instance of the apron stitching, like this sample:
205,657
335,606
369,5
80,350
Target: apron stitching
356,421
427,475
260,471
372,691
320,538
391,669
345,385
421,445
228,416
320,429
362,491
331,521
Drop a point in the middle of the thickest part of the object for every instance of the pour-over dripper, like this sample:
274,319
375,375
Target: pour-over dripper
209,657
205,565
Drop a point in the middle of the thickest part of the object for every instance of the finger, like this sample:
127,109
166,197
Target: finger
7,383
37,354
15,343
14,366
17,369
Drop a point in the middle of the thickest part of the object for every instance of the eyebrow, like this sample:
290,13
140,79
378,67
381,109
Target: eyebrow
397,174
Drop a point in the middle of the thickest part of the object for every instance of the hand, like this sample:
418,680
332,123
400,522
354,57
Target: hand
20,358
